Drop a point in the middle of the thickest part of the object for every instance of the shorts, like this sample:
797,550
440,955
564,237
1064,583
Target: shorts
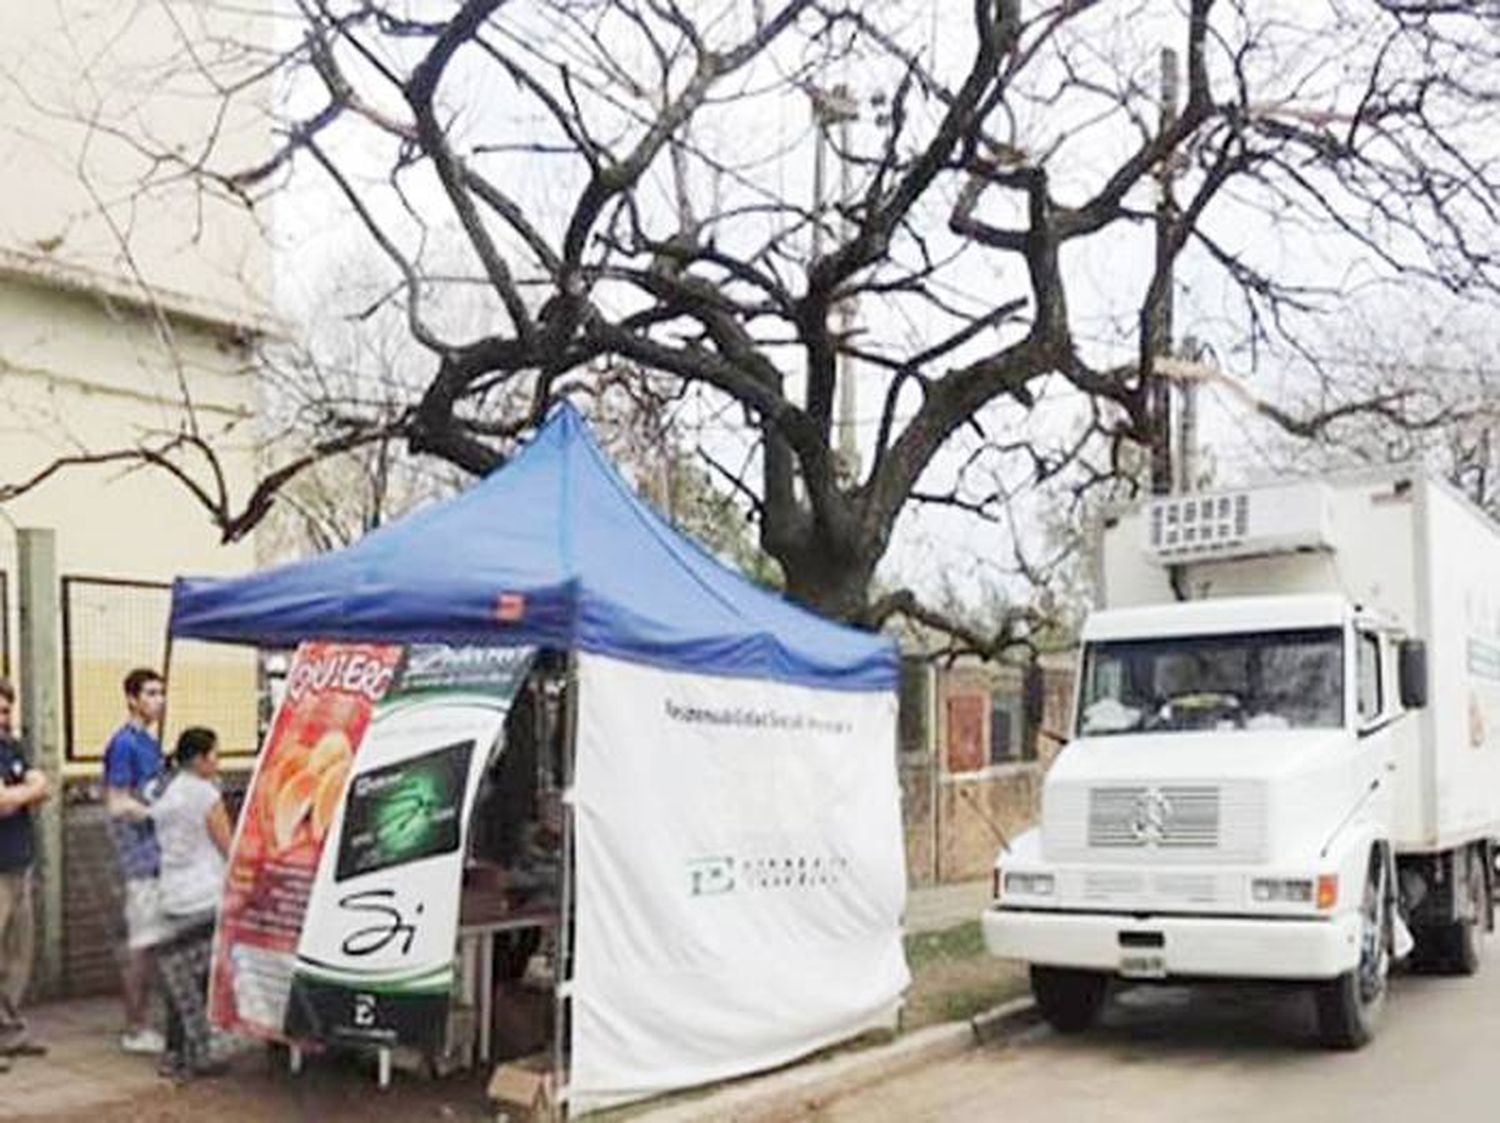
145,923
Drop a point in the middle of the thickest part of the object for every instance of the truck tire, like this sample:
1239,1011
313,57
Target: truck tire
1349,1007
1455,948
1069,999
1463,941
1429,956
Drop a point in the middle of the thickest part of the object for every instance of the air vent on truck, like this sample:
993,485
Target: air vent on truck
1204,527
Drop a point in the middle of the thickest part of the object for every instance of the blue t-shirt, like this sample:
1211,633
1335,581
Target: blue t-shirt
132,759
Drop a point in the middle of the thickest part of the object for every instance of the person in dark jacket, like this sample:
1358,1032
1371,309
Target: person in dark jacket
22,788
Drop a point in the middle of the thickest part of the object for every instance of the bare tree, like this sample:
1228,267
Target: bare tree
626,180
350,356
1431,397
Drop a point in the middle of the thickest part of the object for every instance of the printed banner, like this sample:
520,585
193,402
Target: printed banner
375,961
371,961
294,794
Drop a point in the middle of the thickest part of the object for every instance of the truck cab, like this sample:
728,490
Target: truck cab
1235,803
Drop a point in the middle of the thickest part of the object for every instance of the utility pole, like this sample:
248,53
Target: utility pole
848,442
1187,453
837,106
1158,389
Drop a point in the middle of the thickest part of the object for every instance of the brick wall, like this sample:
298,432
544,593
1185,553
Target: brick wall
975,813
956,806
93,934
93,928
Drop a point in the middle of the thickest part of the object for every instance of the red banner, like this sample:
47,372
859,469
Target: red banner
298,785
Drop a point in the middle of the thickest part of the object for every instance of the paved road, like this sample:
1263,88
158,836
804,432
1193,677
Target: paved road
1165,1055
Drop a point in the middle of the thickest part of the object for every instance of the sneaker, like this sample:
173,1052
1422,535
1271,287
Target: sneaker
142,1041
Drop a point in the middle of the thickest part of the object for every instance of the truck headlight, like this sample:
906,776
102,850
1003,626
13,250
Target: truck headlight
1288,890
1029,884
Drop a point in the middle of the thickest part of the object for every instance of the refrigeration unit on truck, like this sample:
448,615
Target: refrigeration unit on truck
1285,760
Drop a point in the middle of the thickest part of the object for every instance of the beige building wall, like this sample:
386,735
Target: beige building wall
105,109
79,377
130,297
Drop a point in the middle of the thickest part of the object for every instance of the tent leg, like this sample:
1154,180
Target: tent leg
563,975
486,994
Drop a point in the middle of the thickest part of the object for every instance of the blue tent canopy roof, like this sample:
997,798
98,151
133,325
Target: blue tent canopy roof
551,549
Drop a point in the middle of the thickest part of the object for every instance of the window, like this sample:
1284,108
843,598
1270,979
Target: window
1256,681
1371,697
1008,743
985,726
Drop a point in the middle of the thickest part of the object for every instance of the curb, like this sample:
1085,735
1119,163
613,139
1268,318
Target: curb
794,1092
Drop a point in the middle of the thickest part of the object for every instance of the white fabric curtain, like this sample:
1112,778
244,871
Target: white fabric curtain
740,876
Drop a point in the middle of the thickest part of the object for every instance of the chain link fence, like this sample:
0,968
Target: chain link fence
109,627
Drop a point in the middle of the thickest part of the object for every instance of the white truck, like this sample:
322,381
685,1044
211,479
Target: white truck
1285,761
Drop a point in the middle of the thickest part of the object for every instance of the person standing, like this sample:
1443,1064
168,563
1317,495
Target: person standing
21,788
132,760
193,829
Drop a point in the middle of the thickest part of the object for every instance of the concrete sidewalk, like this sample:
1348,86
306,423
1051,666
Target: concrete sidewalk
84,1066
85,1078
933,908
85,1075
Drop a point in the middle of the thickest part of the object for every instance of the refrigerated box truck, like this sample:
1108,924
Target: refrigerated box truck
1285,760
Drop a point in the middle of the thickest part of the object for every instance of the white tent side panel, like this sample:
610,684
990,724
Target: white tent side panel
740,876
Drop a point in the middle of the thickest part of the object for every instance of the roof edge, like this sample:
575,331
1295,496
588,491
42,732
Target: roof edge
216,317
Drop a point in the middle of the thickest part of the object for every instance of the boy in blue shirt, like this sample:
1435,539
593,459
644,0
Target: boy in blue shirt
132,759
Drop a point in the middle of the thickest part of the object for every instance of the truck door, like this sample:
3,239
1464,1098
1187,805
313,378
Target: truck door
1377,708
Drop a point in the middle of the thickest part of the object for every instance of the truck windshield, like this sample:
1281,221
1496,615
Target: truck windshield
1260,681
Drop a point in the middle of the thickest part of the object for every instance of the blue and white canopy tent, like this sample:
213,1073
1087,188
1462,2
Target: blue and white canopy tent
735,841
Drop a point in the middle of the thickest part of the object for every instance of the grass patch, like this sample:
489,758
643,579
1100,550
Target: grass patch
962,941
954,977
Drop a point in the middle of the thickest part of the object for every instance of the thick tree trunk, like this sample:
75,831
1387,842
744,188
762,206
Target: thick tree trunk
832,583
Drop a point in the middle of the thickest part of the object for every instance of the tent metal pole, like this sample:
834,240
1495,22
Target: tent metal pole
166,677
563,977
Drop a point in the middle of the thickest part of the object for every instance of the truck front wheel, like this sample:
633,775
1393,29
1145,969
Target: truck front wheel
1070,1000
1349,1006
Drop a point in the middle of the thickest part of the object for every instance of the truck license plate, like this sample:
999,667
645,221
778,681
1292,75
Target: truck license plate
1143,966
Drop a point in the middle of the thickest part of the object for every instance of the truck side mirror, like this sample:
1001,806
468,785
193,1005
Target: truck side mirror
1413,674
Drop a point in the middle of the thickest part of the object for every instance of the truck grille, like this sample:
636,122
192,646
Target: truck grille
1135,889
1107,885
1175,816
1148,822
